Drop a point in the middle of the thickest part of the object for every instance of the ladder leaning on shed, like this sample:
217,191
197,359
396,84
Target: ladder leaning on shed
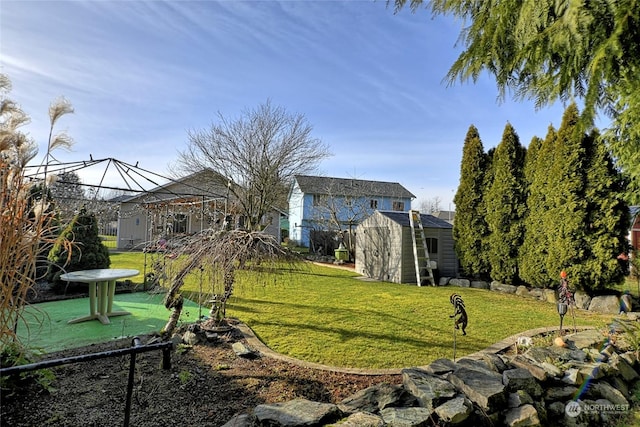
420,251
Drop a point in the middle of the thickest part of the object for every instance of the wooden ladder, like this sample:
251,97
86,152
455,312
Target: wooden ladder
420,251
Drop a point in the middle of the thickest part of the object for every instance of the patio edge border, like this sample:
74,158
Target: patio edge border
255,343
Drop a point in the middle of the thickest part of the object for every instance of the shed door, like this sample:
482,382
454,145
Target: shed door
377,247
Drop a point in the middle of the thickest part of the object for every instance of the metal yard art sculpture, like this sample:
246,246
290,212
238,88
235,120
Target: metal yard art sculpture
565,301
459,322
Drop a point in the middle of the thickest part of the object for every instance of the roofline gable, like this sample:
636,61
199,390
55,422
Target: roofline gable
309,184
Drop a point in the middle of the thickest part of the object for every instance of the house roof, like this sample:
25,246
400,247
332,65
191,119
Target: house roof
348,186
446,215
428,221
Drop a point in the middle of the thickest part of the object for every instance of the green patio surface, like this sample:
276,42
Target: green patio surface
44,326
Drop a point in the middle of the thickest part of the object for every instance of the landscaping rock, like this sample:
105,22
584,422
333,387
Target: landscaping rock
521,379
243,351
494,362
594,370
518,398
376,398
623,369
430,391
607,304
551,369
560,393
475,364
495,389
536,293
525,415
462,283
190,338
536,370
455,411
441,366
603,390
586,339
240,420
299,412
501,287
549,295
483,388
573,376
631,357
406,417
582,300
479,284
361,419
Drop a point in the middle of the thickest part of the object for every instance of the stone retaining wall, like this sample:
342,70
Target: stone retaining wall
590,380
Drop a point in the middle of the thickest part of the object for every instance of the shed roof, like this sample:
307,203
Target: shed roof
428,221
348,186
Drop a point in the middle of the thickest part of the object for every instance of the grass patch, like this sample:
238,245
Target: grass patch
630,285
110,242
326,315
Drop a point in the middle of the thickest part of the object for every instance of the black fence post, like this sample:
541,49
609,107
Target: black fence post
132,369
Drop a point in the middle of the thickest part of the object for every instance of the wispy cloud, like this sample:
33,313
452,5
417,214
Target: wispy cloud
142,73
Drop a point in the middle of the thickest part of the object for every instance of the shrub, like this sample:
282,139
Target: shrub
88,253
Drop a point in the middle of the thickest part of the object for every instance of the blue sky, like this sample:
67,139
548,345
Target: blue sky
370,82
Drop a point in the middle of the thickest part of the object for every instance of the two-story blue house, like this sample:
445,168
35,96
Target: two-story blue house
333,207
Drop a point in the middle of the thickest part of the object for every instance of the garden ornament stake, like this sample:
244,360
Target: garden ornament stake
458,309
562,310
565,300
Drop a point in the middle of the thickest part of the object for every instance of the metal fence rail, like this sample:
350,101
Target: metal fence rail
133,350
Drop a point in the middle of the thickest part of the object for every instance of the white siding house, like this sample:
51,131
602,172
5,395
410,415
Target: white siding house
339,204
384,247
181,207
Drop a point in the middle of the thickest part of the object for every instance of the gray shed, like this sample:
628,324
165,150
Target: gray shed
384,247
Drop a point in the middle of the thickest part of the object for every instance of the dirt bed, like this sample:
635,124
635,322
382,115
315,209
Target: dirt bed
206,386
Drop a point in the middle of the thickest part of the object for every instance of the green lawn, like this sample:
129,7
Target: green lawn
327,315
110,242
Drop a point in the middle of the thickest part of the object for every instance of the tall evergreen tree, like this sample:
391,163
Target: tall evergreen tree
548,50
534,250
531,159
607,222
505,207
565,219
469,227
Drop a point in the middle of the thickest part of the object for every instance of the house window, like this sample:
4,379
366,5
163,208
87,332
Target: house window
319,200
432,245
398,206
373,204
180,223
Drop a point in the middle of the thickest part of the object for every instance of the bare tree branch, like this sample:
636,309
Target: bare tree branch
259,153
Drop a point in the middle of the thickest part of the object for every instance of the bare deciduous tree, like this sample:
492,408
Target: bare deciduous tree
220,253
342,206
431,206
67,193
259,153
